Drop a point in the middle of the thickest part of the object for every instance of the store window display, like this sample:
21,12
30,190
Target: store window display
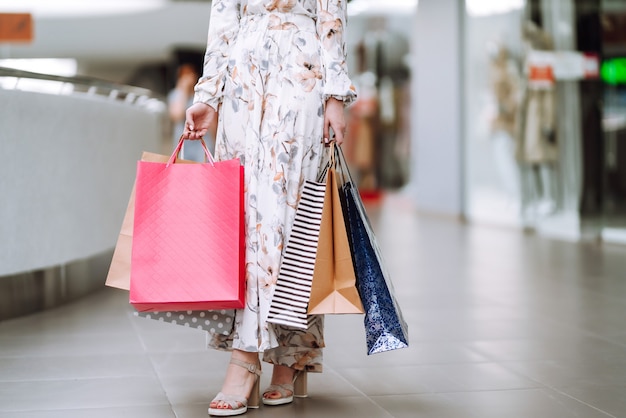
544,116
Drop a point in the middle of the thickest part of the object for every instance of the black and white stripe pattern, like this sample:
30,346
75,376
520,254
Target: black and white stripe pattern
293,289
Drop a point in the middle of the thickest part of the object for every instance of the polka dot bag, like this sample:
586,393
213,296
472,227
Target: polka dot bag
216,322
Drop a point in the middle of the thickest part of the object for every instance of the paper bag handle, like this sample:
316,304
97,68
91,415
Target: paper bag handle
179,147
336,160
342,166
331,146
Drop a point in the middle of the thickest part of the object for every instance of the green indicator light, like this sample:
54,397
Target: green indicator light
613,71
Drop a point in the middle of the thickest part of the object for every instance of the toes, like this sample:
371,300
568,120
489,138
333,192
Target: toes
218,405
223,405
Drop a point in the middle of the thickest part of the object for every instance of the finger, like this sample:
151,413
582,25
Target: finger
188,133
189,121
326,133
197,134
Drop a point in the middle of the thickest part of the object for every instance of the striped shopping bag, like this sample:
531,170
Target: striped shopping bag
293,289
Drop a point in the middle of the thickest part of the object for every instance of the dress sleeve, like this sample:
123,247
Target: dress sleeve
223,30
331,25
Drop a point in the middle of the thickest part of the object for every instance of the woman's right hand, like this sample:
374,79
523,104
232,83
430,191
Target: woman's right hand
200,118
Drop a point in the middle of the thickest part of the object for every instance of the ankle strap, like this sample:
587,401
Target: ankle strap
252,368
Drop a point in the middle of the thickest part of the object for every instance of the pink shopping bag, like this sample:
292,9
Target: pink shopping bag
188,248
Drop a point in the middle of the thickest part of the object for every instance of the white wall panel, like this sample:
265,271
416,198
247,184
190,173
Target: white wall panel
67,169
437,98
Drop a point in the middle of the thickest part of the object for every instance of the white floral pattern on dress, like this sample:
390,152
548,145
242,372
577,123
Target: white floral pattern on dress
270,65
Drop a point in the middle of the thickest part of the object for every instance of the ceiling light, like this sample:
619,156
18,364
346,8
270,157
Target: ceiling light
379,7
492,7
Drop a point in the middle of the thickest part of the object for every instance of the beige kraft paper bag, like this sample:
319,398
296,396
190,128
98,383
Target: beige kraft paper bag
333,290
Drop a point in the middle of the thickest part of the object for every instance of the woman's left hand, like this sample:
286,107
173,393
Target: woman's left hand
334,118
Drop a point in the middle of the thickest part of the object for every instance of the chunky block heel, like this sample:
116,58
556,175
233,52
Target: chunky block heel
254,401
300,385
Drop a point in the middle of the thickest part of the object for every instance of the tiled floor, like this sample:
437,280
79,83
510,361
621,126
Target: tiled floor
502,324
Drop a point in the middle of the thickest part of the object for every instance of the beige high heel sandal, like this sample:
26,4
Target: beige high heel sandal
239,404
298,389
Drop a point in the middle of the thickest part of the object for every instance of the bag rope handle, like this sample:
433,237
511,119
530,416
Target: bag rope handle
179,147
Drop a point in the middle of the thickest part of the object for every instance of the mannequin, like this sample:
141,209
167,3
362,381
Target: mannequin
537,147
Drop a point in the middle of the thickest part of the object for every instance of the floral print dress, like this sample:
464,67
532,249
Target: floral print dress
269,67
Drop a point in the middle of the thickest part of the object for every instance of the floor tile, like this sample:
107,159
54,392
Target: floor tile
412,406
329,384
523,404
80,393
483,377
559,373
581,348
176,363
162,337
609,399
74,367
144,411
398,380
53,344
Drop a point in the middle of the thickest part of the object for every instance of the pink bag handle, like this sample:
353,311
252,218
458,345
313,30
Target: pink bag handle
179,147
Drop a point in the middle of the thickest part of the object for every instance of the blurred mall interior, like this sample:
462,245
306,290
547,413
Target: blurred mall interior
489,145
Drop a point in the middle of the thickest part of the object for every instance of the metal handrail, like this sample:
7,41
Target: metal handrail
89,85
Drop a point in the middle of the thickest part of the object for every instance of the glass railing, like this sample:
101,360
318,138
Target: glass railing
12,79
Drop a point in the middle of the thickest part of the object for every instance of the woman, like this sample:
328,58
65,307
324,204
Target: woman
274,87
